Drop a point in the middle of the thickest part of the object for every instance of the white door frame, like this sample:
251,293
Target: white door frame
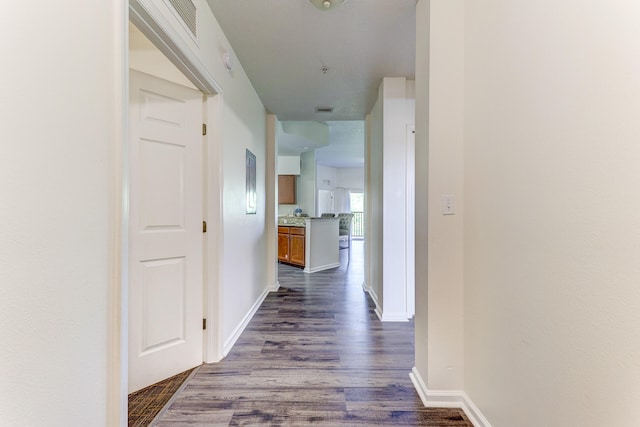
410,231
213,239
149,17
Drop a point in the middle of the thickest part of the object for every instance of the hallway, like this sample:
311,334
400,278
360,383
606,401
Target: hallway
314,354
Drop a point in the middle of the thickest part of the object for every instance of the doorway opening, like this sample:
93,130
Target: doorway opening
357,209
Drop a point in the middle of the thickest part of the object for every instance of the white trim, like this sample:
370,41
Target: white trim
448,399
410,223
365,287
117,332
394,317
214,238
374,298
382,315
473,412
148,17
274,287
228,344
321,267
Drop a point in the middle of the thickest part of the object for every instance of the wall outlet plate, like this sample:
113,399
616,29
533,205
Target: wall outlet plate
448,205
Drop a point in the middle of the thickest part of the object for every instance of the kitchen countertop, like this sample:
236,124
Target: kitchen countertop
299,221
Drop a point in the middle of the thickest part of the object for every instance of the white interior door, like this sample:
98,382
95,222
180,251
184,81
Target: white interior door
166,206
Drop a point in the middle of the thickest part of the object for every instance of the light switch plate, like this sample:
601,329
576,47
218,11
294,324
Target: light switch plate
448,205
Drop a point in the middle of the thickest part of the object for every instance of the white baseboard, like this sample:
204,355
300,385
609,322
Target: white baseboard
448,399
382,316
229,343
394,317
374,298
274,287
365,287
321,267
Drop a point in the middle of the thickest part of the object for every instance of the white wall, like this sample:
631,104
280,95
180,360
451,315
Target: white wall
326,180
423,24
61,109
373,239
286,209
549,132
443,323
396,116
352,178
552,224
341,181
288,165
306,183
410,101
326,177
445,232
271,184
245,238
386,196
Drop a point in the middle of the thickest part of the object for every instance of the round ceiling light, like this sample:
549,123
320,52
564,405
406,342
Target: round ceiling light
327,4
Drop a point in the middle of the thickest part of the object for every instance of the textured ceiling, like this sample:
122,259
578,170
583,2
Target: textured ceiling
346,145
284,44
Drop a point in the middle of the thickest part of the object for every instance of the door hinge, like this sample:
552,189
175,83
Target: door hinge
204,324
204,226
204,128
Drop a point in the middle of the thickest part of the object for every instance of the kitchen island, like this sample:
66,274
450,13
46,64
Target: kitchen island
318,237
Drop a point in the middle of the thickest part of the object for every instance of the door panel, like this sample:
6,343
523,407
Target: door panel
166,280
283,244
297,249
162,185
163,289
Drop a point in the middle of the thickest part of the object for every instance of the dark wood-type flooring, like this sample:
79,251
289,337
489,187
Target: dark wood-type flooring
314,354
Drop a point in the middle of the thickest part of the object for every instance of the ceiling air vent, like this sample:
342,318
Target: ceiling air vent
324,109
187,12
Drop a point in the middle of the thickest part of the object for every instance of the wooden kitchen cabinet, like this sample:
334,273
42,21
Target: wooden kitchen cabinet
291,241
296,246
286,189
283,244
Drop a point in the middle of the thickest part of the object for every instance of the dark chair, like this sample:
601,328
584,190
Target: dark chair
344,231
327,215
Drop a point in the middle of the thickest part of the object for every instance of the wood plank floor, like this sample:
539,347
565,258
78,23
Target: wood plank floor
314,354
